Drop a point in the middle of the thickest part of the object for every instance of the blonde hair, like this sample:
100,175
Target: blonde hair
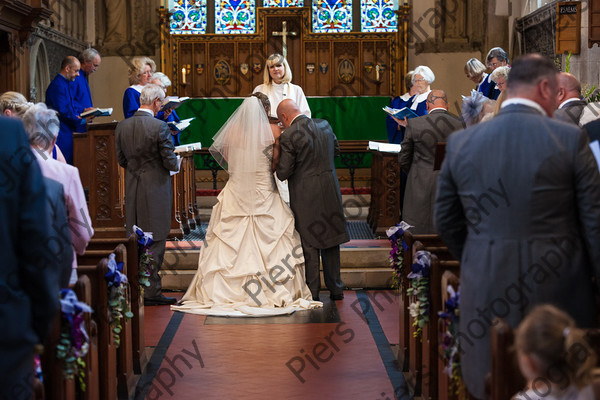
474,68
276,59
15,102
551,335
136,69
500,72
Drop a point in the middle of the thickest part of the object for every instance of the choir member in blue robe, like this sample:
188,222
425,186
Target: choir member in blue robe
164,82
422,80
395,131
475,71
90,61
496,57
140,73
60,97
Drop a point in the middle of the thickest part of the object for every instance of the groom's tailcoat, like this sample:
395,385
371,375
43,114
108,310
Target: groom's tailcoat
308,149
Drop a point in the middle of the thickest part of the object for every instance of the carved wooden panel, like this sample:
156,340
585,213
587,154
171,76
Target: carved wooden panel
324,52
594,22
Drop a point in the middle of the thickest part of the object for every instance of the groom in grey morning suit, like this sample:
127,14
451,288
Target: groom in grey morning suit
308,149
518,202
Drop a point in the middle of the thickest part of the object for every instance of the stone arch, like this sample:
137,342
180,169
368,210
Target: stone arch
39,71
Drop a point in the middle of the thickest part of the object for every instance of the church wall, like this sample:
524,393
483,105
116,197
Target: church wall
449,74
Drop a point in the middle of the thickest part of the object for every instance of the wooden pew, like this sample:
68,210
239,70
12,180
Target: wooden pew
56,386
430,346
107,352
102,247
414,374
505,378
83,290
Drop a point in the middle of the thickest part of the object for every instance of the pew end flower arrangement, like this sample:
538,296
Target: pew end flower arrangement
449,344
117,297
418,292
395,235
145,240
74,341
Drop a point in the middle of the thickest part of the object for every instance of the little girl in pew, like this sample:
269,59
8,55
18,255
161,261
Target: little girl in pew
555,357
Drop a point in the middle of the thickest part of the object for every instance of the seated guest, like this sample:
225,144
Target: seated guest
475,71
496,57
570,103
499,77
416,158
169,115
395,130
14,104
29,299
476,107
555,357
140,73
59,97
42,140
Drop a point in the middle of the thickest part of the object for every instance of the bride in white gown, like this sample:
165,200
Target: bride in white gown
252,262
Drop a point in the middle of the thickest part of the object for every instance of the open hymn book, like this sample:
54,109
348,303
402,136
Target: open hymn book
181,125
97,112
400,113
172,102
384,147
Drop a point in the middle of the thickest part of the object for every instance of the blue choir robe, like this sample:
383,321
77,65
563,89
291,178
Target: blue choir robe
59,97
173,117
488,88
131,100
396,135
82,96
418,103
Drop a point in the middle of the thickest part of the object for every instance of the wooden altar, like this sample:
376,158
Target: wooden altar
104,184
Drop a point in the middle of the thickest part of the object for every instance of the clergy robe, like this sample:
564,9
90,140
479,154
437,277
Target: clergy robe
488,88
60,97
82,96
173,117
131,100
395,135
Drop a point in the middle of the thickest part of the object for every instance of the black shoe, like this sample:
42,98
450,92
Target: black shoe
159,301
339,296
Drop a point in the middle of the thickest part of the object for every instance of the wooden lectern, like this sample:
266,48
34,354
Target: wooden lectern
104,183
384,210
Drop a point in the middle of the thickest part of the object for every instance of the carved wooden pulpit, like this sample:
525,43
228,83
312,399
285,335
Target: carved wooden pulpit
104,183
384,210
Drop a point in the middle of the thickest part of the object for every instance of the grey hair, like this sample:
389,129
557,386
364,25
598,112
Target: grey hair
500,72
472,109
41,125
166,82
150,93
425,72
88,55
497,52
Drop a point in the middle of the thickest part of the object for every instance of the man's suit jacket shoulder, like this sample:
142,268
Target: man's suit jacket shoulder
571,112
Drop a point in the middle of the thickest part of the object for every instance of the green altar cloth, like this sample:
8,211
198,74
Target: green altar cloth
352,118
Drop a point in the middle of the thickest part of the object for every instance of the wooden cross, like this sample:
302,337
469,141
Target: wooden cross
284,33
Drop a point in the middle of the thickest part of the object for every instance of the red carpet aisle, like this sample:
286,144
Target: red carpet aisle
339,352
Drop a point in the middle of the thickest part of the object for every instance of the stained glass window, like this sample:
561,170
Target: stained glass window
235,16
331,16
283,3
377,16
189,17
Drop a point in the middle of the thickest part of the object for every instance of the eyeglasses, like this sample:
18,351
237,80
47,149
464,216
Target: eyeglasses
494,65
420,80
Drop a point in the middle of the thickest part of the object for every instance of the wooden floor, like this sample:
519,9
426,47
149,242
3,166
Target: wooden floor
342,351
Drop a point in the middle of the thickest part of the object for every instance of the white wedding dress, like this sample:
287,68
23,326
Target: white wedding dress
251,263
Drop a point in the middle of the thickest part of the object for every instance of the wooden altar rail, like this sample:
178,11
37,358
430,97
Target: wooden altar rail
104,183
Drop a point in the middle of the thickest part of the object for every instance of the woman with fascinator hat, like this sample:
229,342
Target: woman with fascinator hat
252,262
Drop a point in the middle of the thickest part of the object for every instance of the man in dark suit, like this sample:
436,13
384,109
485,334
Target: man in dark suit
416,158
145,150
518,202
28,297
570,105
61,249
308,148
